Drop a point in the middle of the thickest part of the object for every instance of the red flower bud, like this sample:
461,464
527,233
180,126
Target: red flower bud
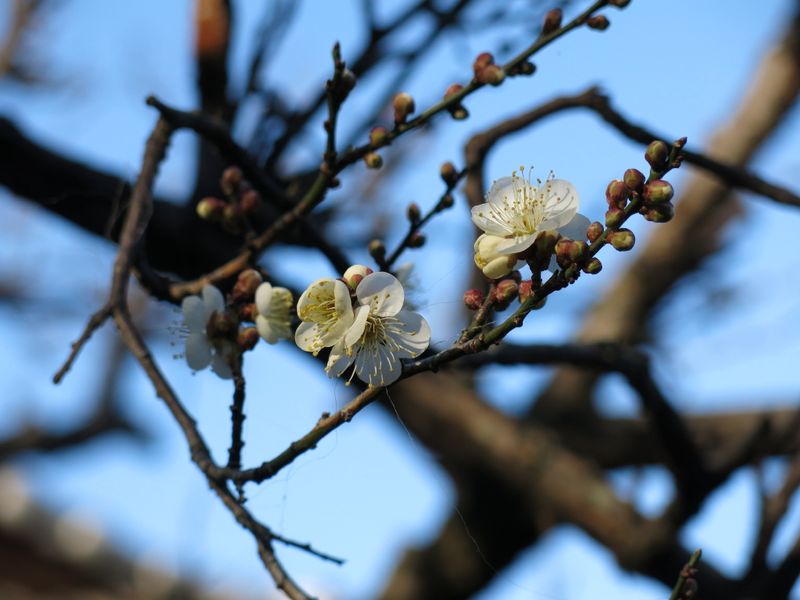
594,231
403,105
598,22
377,135
634,179
657,155
552,21
658,192
473,299
617,193
622,240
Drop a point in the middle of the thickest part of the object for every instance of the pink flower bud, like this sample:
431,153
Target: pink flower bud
593,267
594,231
552,21
453,90
505,291
447,201
413,213
377,250
657,155
617,193
448,173
473,299
658,192
491,74
246,284
483,60
231,180
525,290
373,160
354,274
622,239
660,213
211,209
598,22
377,135
634,179
403,105
417,240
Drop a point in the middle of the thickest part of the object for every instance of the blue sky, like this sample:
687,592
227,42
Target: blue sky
370,489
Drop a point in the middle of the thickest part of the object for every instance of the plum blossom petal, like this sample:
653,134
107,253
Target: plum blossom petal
382,333
274,305
518,211
383,292
326,311
197,351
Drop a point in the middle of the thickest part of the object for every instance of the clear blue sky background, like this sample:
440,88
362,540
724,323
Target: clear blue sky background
370,489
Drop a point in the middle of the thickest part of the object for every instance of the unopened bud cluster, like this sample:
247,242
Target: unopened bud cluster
486,71
241,201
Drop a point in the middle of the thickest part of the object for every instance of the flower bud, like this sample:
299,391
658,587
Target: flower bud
246,284
552,21
232,219
614,217
373,160
210,209
247,338
492,263
403,105
483,60
250,201
620,3
448,173
594,231
491,74
248,312
617,193
593,267
453,90
546,242
231,180
634,179
622,239
447,201
459,113
658,192
505,291
473,299
598,22
377,135
660,213
346,84
657,155
525,290
354,274
377,250
221,324
569,251
417,240
413,213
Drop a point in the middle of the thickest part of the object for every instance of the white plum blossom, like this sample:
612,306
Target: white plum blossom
326,311
517,211
274,305
382,333
200,351
488,259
